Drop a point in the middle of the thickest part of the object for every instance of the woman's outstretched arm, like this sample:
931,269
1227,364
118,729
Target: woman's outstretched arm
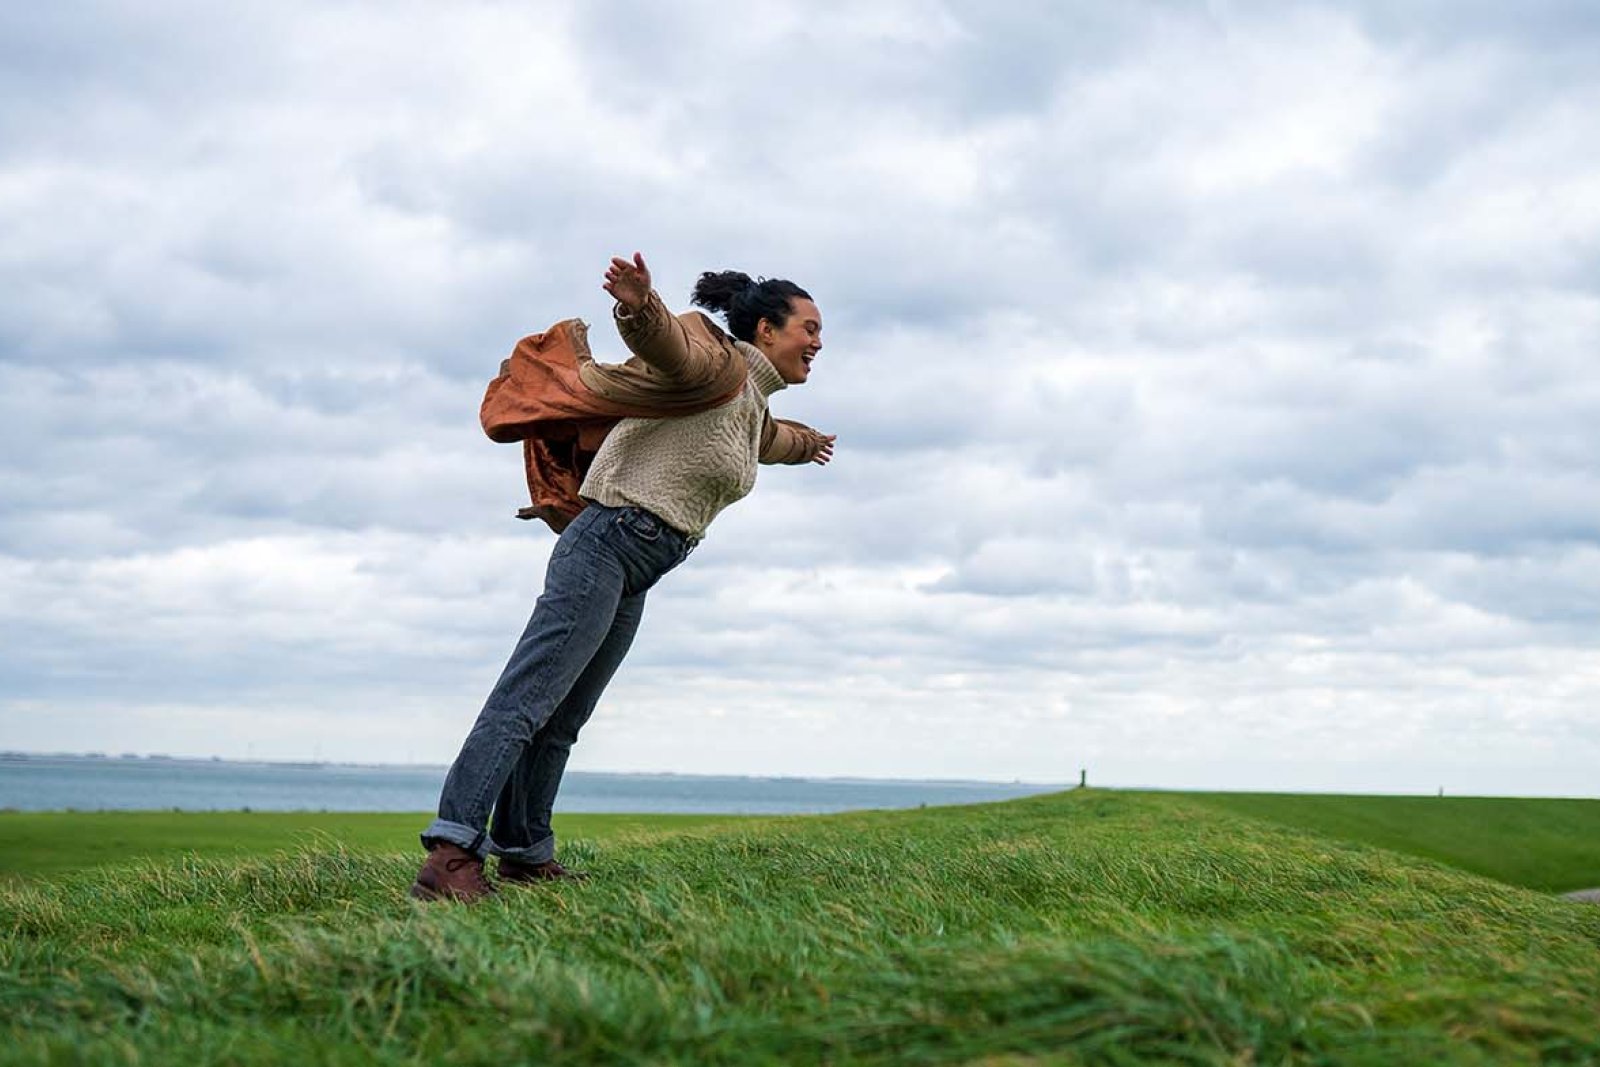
650,331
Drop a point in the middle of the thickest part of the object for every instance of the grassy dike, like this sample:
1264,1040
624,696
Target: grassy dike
51,843
1094,928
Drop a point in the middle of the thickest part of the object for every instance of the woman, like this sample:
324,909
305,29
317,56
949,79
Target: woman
654,487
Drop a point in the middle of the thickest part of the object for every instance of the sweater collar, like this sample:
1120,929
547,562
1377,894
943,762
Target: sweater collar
762,372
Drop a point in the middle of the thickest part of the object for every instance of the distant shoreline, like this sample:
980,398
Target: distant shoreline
12,756
87,782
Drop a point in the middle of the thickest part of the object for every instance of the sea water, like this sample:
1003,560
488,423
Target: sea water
78,783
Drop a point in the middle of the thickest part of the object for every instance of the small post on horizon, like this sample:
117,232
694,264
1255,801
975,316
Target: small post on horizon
1083,778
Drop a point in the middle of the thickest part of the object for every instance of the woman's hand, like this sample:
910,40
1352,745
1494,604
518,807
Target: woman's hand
822,449
628,283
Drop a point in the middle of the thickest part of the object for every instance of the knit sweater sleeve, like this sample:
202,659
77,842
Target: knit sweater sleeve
656,336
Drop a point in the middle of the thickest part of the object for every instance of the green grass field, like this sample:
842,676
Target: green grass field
49,843
1081,928
1553,845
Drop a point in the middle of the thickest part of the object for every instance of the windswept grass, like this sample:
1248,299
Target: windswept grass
50,843
1083,928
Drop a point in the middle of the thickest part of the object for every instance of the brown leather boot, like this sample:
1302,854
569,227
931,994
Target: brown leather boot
516,873
451,873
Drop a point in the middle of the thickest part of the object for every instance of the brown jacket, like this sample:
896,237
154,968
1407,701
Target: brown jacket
553,397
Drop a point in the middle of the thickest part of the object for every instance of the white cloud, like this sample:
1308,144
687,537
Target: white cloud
1215,388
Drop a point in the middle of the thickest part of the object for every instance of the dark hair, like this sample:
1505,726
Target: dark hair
744,301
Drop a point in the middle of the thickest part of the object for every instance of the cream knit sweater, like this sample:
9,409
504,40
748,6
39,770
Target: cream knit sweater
687,468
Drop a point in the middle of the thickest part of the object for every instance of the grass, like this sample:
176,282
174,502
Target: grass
37,844
1550,845
1081,928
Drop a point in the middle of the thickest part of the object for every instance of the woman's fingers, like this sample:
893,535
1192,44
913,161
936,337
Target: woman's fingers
627,273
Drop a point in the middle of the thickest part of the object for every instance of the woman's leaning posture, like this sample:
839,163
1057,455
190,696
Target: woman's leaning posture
653,488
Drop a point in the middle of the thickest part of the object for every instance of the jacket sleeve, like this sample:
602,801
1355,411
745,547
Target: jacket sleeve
786,441
656,336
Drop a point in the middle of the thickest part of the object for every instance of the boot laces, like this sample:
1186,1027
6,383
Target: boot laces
451,866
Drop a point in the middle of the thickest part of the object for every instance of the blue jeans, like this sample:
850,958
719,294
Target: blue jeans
581,628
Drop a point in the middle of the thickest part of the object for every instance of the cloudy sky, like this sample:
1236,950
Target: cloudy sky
1216,384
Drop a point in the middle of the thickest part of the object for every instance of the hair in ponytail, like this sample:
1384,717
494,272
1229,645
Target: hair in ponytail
744,301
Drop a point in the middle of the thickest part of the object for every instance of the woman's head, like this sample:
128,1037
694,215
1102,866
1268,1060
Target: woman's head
776,316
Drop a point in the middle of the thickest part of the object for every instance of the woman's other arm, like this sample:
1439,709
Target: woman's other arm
786,441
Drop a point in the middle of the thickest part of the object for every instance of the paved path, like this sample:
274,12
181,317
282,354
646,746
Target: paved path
1588,896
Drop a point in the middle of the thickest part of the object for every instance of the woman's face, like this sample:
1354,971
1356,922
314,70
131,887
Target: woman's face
791,347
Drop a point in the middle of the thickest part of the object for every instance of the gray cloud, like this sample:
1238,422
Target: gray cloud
1208,380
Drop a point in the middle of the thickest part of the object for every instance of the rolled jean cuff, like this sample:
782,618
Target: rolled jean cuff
474,841
538,852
